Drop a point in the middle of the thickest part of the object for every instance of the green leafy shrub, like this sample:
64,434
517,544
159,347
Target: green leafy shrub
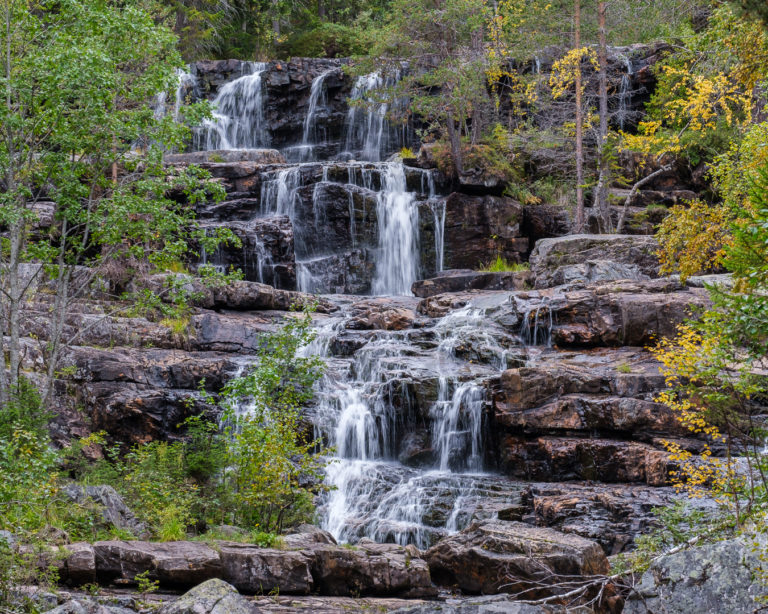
327,40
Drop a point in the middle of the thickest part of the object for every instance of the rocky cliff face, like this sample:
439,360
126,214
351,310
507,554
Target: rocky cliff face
502,423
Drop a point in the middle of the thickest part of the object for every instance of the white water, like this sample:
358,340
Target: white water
625,93
317,97
397,264
278,193
360,411
238,118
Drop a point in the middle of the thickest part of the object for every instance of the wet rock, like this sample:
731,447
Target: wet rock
347,273
380,314
228,156
179,564
513,557
621,313
576,458
719,577
115,512
266,253
416,449
480,228
611,515
211,597
462,280
260,570
552,259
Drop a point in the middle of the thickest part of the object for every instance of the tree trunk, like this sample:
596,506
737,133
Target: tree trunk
275,19
634,190
601,192
455,139
579,122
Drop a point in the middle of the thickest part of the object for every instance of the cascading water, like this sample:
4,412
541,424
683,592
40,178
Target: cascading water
426,387
238,118
309,139
365,412
397,265
625,93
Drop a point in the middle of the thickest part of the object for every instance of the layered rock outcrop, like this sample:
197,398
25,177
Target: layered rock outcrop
366,569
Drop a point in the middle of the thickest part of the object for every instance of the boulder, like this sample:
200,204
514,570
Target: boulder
552,260
726,576
178,564
88,606
260,570
488,604
513,557
462,280
371,569
211,597
115,512
79,565
479,228
592,271
307,537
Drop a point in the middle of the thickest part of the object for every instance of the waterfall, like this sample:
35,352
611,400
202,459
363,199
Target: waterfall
625,92
456,437
397,265
278,193
438,213
238,117
360,412
535,328
367,126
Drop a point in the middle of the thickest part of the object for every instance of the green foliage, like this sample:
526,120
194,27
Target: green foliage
327,40
271,459
260,472
80,81
676,524
144,584
502,265
714,370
